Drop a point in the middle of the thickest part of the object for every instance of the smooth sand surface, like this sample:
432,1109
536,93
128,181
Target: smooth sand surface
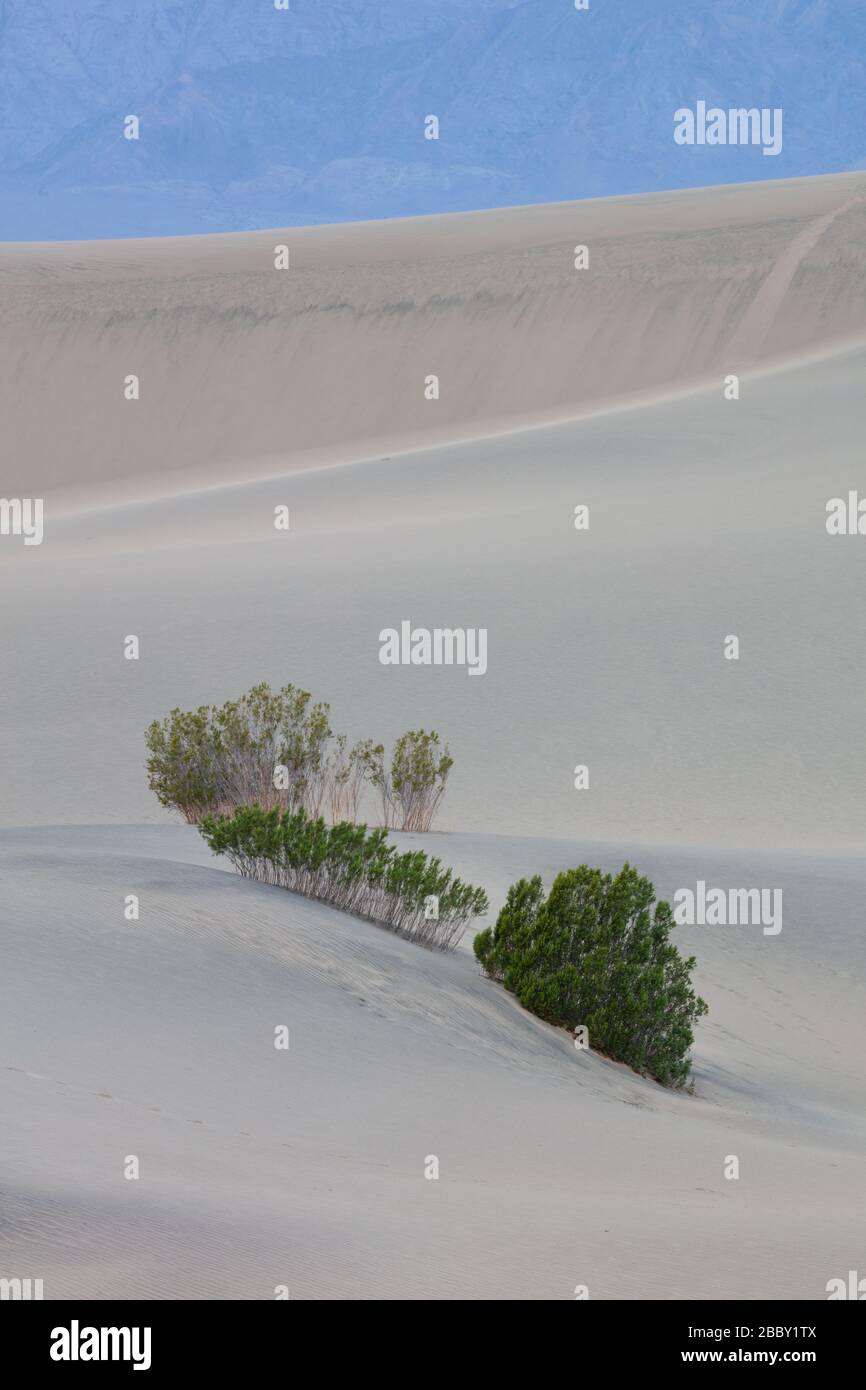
306,1168
605,648
246,371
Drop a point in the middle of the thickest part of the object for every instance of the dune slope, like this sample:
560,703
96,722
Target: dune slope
605,646
305,1167
560,388
246,371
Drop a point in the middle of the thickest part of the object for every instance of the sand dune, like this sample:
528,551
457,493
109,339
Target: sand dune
605,648
262,1168
246,371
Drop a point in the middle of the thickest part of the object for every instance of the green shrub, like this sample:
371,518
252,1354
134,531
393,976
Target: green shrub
275,748
412,787
181,766
219,757
349,866
596,953
419,772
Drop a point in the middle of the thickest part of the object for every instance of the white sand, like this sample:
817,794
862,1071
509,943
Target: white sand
247,371
605,648
305,1168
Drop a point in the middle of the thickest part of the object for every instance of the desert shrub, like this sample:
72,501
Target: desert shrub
411,789
254,736
347,773
596,952
275,748
303,752
349,866
375,772
181,765
219,757
418,775
268,746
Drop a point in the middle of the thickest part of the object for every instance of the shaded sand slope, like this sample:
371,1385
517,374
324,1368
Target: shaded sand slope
305,1168
246,371
605,647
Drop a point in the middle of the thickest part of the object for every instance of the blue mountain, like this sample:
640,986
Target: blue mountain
251,116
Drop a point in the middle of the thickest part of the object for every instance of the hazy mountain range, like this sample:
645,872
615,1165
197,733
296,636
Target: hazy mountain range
250,116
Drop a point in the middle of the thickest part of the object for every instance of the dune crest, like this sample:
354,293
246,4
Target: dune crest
246,371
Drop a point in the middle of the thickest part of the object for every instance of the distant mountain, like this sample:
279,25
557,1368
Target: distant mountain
252,116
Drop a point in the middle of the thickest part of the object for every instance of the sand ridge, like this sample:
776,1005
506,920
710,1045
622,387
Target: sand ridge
246,371
604,648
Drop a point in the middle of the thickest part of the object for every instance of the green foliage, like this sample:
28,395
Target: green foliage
411,789
275,748
418,775
596,953
224,756
181,766
349,866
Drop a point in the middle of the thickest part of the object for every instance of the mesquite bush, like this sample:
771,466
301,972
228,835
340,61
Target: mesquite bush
277,749
216,758
411,789
349,866
596,953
